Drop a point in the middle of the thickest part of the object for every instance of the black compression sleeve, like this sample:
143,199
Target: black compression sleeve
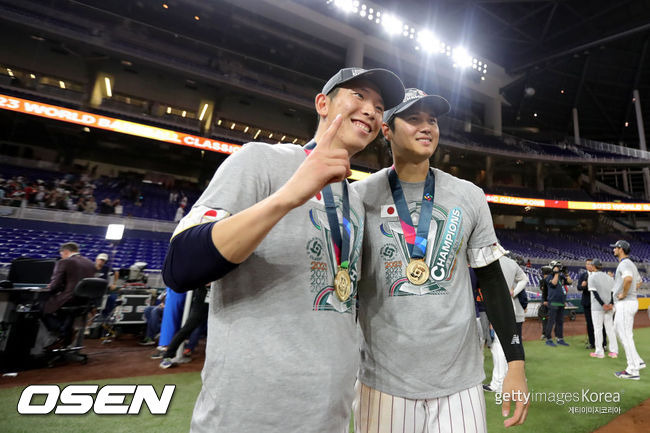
193,261
597,296
498,306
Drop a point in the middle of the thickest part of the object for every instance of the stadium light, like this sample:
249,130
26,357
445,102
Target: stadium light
428,41
107,82
391,24
461,57
205,108
423,40
344,5
114,232
61,84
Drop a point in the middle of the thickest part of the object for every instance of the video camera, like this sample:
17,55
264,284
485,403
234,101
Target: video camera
556,264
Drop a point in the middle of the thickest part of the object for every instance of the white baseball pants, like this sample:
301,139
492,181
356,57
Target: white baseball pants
500,368
378,412
600,317
624,324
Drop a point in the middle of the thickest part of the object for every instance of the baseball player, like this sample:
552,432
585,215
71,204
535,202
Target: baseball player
281,232
626,304
516,280
602,302
421,365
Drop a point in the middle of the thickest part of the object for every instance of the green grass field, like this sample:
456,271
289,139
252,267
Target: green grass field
551,371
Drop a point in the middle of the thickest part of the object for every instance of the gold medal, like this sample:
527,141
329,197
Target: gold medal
417,272
342,284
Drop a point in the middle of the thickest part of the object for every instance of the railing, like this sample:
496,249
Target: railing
612,148
73,217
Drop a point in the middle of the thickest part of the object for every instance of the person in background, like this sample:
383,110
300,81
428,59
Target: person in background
557,284
586,301
602,310
196,320
71,269
153,314
516,280
626,282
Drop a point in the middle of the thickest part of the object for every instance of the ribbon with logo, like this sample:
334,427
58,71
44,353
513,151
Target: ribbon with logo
417,271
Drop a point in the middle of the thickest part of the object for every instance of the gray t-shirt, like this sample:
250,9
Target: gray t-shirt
516,280
625,268
422,341
282,352
601,283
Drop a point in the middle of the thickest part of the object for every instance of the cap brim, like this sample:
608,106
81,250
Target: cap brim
434,103
390,86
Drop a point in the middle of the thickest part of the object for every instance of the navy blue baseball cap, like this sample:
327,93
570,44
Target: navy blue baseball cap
624,245
437,104
390,86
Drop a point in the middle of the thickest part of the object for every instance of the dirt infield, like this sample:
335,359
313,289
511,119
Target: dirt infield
124,358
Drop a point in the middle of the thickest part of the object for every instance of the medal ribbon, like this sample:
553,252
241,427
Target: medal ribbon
340,238
416,239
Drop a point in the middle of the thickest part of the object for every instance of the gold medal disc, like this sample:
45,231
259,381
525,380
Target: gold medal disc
417,272
342,284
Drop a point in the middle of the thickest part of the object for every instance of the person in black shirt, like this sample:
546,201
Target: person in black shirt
586,301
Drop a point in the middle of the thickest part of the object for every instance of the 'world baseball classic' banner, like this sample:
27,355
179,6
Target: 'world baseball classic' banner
92,120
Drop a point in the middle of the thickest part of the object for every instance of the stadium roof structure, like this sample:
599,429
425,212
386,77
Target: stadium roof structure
547,56
585,54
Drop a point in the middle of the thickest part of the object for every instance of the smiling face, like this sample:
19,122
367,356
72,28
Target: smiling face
361,106
414,136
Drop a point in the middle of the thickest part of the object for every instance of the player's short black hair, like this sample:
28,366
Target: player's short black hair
385,141
330,95
73,247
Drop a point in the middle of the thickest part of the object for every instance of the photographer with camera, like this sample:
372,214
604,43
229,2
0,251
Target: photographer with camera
542,313
557,282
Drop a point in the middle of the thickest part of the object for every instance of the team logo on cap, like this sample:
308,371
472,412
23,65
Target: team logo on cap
414,94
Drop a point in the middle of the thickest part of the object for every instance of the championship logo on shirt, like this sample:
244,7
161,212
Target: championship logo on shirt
323,260
443,243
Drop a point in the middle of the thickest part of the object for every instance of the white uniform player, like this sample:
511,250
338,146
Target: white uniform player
421,365
625,282
516,279
600,287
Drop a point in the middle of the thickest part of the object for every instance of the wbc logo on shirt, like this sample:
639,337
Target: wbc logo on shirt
444,240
